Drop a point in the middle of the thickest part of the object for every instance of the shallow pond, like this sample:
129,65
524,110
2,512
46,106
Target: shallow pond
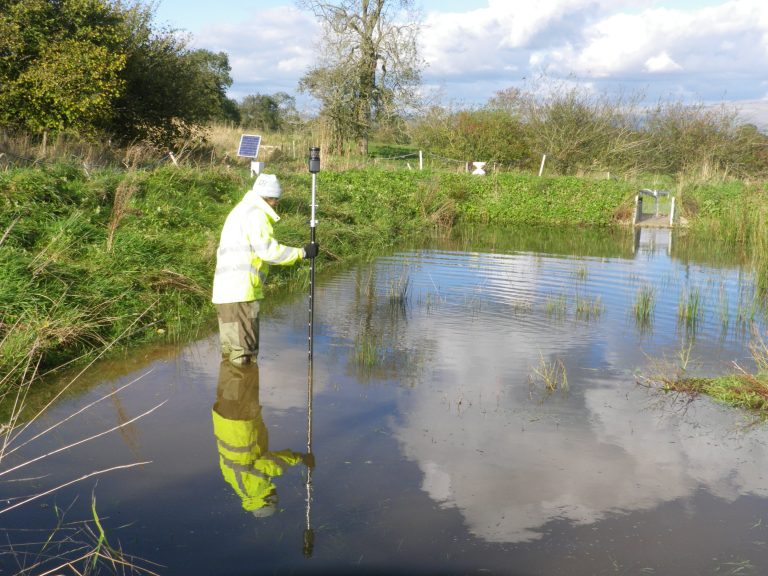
475,409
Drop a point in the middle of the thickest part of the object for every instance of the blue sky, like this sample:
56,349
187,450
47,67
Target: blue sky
691,50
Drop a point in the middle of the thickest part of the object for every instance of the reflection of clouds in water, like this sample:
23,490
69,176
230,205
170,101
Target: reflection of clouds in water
704,444
511,468
511,465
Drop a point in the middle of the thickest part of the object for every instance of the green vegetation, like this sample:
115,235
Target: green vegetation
582,133
743,390
84,259
100,67
589,308
551,375
556,306
689,308
739,389
644,305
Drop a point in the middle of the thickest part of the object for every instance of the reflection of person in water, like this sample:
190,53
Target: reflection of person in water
246,462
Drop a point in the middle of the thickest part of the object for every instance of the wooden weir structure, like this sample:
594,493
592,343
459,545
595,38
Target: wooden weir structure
658,217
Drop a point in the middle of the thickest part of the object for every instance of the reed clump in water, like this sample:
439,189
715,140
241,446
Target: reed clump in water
552,375
589,308
690,309
644,306
556,306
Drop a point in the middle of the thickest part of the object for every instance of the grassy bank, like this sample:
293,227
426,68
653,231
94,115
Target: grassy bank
88,258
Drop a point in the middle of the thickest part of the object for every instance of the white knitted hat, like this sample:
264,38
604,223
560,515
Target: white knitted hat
267,186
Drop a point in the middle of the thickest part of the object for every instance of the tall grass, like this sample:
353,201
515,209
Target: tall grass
85,255
589,308
556,306
690,308
644,306
552,375
398,292
79,547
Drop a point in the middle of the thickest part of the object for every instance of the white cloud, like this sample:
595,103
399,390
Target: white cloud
269,52
706,52
701,51
662,63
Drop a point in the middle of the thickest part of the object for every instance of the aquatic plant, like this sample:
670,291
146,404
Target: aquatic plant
746,312
75,547
644,306
759,350
398,291
556,306
521,307
552,375
589,308
580,272
724,310
366,349
739,389
689,308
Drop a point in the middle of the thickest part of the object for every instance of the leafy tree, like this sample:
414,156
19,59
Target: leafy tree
100,65
369,65
60,63
268,112
168,88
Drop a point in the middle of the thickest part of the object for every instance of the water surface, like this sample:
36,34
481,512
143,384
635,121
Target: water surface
438,447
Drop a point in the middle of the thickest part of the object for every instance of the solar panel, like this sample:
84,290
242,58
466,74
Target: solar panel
249,146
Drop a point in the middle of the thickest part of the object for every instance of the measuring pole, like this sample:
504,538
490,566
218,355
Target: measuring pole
314,168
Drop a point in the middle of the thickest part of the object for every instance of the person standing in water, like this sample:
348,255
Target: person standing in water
246,250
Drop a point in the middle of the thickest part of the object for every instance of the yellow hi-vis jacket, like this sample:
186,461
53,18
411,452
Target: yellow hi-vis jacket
246,249
245,463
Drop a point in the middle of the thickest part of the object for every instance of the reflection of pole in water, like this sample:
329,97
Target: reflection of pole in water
309,535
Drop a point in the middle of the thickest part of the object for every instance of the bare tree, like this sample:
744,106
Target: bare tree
369,67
